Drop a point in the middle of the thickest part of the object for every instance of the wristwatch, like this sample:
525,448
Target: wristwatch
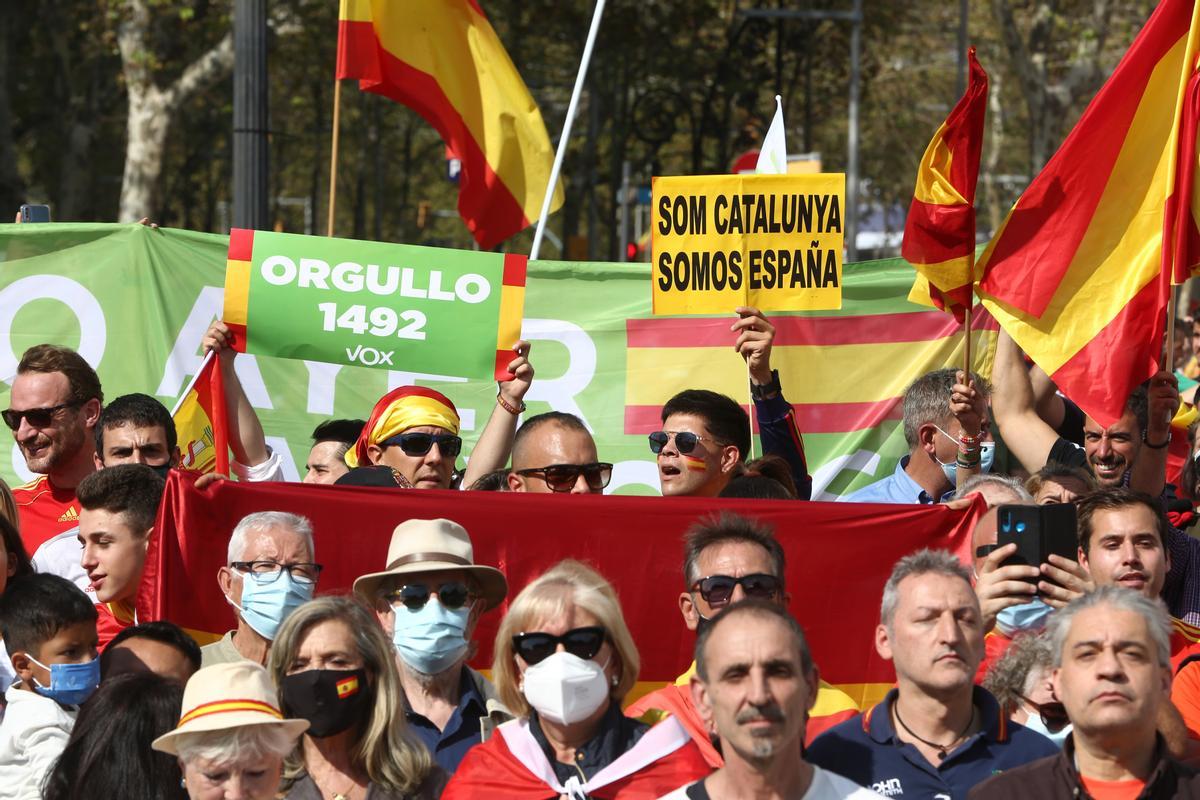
760,392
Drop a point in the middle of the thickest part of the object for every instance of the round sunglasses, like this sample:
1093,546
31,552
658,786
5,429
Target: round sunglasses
685,441
413,596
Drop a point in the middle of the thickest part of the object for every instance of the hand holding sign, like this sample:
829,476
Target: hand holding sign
754,342
512,391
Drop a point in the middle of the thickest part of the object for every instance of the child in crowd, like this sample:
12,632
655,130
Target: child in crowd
49,628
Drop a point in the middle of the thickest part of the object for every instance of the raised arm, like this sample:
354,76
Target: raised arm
495,443
1026,434
1149,473
246,437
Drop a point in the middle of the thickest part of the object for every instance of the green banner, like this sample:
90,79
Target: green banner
354,303
136,302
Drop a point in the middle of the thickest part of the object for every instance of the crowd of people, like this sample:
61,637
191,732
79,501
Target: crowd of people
1072,675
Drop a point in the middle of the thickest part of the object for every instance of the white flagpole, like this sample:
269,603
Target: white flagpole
566,134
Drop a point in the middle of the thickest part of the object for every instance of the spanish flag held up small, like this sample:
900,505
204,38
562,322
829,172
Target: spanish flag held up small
939,234
443,59
199,422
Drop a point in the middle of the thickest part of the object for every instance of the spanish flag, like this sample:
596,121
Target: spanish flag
1080,271
939,235
442,59
199,421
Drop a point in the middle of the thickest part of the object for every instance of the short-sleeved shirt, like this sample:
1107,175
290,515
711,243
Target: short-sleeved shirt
867,751
462,732
824,786
899,487
45,511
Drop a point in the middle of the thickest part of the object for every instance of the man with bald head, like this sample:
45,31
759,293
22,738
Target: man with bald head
554,452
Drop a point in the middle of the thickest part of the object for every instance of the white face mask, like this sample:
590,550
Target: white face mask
565,688
1035,723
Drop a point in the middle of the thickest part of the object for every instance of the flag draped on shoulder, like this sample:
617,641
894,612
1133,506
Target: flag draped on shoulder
939,235
1080,271
199,422
443,59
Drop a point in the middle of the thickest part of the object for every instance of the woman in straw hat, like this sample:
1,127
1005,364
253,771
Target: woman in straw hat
231,737
564,661
336,669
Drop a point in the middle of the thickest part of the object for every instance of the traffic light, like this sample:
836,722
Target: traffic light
423,209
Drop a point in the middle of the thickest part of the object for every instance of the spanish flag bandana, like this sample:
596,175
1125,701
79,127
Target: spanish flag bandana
399,410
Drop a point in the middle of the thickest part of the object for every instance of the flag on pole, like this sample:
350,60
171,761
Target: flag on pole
202,438
772,158
939,234
442,59
1079,273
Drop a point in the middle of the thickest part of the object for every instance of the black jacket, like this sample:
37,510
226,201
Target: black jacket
1055,777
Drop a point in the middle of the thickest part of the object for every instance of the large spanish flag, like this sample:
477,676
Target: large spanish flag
442,59
839,556
939,234
1080,271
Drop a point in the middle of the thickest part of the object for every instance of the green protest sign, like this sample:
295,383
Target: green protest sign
373,304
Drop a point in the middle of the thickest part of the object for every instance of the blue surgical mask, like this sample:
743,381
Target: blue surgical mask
1029,616
430,639
265,605
987,457
70,684
1036,723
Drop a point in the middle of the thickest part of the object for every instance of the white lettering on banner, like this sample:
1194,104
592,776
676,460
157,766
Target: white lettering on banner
93,331
634,473
858,461
348,276
183,360
369,355
382,321
321,380
560,392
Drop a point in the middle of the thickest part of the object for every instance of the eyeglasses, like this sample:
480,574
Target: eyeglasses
413,596
269,571
685,441
581,642
419,444
37,417
718,589
562,477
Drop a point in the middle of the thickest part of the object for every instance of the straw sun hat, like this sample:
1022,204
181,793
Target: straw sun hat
224,697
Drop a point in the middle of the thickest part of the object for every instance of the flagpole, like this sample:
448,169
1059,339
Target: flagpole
967,318
333,154
566,133
192,383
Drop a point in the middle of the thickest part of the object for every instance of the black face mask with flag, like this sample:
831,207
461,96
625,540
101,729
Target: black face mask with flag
332,700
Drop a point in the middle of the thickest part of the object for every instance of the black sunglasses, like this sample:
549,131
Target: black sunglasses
562,477
1054,713
718,589
685,441
581,642
37,417
453,595
419,444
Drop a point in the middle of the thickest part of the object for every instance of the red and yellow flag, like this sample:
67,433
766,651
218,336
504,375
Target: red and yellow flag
939,235
1080,271
200,424
442,59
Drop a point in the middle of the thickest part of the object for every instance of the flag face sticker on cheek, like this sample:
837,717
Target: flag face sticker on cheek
694,464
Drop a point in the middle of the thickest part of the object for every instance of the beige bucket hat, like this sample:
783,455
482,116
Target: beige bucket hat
432,545
226,696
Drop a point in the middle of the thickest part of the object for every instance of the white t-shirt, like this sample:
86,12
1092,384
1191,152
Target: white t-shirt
62,555
825,786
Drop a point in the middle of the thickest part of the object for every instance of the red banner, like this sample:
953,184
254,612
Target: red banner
838,557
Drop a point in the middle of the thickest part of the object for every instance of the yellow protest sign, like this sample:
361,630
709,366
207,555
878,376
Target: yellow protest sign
769,241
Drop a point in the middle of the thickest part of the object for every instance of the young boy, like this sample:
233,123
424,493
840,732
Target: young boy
49,629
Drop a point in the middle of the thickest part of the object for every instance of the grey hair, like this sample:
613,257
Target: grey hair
1117,597
973,484
244,745
928,400
266,520
1008,678
922,562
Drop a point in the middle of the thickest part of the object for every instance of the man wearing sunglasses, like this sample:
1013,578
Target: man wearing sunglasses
270,572
429,600
416,431
554,452
53,407
729,558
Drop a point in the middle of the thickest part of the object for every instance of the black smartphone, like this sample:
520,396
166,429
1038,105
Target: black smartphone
34,213
1038,532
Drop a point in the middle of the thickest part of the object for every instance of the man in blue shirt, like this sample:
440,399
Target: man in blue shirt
936,734
935,437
